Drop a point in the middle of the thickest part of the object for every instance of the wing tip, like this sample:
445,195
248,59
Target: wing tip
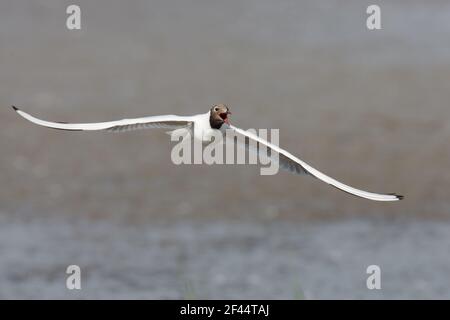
399,197
26,116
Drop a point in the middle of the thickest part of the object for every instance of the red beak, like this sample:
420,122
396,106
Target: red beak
224,116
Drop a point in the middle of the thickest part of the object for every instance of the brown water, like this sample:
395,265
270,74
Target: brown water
369,108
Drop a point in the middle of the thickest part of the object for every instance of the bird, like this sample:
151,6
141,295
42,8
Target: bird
203,127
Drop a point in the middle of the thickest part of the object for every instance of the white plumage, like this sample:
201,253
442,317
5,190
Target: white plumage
202,126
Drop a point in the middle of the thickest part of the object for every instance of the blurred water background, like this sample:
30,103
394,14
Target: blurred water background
370,108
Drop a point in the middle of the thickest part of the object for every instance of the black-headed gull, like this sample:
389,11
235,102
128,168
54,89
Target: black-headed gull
202,126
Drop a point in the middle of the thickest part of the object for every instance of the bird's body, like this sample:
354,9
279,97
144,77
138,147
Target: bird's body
202,130
203,127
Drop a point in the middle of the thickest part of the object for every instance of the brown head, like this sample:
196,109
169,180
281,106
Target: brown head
219,115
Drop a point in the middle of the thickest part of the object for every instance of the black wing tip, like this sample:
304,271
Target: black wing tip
399,197
17,109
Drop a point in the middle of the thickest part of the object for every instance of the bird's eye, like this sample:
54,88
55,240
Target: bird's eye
216,109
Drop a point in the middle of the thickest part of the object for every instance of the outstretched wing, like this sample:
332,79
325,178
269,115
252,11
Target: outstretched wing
289,162
165,121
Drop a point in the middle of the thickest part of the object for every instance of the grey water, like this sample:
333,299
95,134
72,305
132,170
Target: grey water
370,108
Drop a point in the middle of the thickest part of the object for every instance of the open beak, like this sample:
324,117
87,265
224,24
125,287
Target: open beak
224,116
227,120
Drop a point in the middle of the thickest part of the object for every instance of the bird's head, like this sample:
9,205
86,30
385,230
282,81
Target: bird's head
219,115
